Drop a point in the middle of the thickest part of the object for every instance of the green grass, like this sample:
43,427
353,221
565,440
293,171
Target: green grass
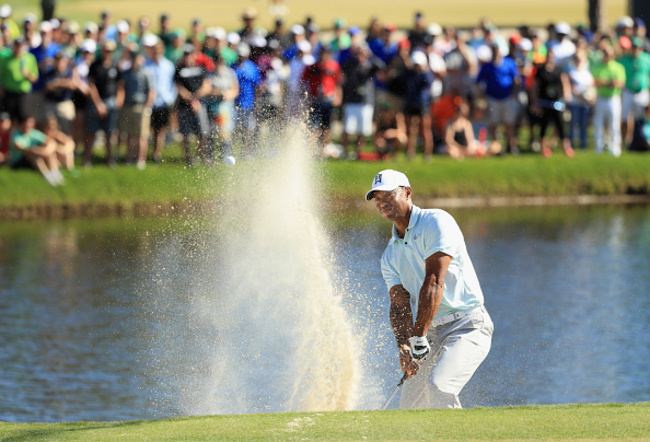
226,13
563,422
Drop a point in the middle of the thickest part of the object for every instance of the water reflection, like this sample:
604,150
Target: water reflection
98,325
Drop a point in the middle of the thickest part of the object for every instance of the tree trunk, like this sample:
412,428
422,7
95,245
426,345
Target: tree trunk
596,15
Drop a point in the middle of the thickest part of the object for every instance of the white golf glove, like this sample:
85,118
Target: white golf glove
419,347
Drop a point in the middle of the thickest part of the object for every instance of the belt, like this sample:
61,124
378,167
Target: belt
453,316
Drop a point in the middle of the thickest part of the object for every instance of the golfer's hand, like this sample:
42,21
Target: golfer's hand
408,365
419,348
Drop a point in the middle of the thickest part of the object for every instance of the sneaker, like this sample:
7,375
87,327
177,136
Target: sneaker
58,176
50,178
141,165
547,152
569,152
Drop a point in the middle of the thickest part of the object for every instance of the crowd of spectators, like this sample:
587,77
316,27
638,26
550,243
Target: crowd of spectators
428,89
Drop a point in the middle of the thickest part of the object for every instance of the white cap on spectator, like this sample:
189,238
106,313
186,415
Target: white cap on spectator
243,50
233,38
526,45
5,11
91,27
89,45
73,28
419,57
625,22
56,24
214,32
562,28
122,27
257,41
304,46
434,29
484,53
149,40
297,30
45,26
308,60
29,18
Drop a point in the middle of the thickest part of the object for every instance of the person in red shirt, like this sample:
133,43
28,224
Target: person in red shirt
322,81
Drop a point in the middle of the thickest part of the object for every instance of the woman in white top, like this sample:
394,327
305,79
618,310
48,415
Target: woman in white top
582,97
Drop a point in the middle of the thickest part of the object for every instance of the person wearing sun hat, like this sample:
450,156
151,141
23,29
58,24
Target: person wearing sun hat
442,328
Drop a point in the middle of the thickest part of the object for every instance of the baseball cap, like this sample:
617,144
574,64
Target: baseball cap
419,58
45,26
639,23
563,28
243,50
297,29
625,22
109,45
304,46
5,11
387,180
233,38
122,27
434,29
88,45
149,40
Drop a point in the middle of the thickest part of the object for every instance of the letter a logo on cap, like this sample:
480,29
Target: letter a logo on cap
377,179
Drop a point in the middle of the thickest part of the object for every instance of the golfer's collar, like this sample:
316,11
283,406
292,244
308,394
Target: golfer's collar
415,216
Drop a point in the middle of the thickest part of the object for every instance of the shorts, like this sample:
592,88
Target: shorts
135,120
190,122
16,104
502,111
357,119
634,103
418,110
222,119
160,117
107,124
64,112
321,114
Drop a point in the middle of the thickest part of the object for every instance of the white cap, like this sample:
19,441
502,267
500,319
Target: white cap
434,29
563,28
625,22
308,60
304,46
526,45
149,40
387,180
122,27
484,53
89,45
45,26
91,27
30,18
297,29
419,57
5,11
216,32
257,41
243,50
56,23
233,38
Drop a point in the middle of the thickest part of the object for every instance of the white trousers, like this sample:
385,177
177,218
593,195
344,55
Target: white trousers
457,350
607,113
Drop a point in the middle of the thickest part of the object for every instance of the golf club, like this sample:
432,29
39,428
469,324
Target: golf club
390,399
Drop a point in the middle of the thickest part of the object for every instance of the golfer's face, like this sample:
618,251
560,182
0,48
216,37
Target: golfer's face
392,205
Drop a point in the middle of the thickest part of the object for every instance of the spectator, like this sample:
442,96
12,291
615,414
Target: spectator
459,135
563,47
44,54
270,93
5,136
390,135
193,83
341,40
641,138
609,78
81,95
323,82
18,72
163,73
174,52
279,34
165,33
197,36
103,78
636,93
499,81
294,105
418,34
6,21
64,146
60,83
461,67
582,98
250,79
221,108
550,93
30,31
139,94
417,110
248,31
31,148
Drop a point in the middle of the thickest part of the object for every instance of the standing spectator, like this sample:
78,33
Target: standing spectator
44,54
550,93
248,31
270,93
461,66
163,72
165,33
640,31
139,94
499,82
582,98
221,108
280,34
358,93
609,78
294,106
174,52
18,72
417,109
563,47
5,136
193,83
249,78
323,82
30,31
81,95
6,21
60,83
103,78
341,40
636,94
418,34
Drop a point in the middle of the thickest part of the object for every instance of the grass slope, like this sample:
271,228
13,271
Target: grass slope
563,422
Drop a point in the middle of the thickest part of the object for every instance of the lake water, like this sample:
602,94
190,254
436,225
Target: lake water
136,319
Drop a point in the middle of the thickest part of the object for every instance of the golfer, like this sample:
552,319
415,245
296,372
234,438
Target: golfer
442,328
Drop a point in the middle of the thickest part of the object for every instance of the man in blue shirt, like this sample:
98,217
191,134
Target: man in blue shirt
250,78
499,82
441,326
44,54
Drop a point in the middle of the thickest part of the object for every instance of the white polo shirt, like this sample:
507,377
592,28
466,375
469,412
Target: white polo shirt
403,261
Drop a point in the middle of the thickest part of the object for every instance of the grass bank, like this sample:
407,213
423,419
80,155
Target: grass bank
562,422
170,187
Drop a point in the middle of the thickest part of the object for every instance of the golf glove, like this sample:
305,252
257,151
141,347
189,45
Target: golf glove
419,347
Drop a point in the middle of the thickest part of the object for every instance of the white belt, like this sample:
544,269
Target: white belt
453,316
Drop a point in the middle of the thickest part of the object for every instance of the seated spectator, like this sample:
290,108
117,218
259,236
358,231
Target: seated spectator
390,136
480,127
64,146
31,148
459,136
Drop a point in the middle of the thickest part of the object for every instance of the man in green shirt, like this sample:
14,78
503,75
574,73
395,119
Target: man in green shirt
18,71
636,94
609,78
32,148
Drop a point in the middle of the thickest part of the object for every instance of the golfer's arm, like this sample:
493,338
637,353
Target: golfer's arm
401,317
436,267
